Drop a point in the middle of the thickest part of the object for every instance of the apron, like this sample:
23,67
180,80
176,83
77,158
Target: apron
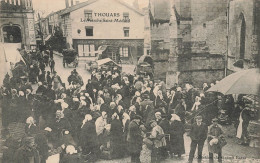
239,128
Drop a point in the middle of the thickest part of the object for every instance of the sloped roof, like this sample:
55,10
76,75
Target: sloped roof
83,4
106,60
180,17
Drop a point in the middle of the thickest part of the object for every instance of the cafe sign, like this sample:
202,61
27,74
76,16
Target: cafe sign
106,17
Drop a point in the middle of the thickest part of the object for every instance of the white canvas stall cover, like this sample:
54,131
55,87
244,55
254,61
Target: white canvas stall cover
106,60
9,55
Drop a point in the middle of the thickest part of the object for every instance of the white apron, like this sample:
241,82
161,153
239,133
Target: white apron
239,128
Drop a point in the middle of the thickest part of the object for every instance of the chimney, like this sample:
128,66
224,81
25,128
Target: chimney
72,3
77,2
67,3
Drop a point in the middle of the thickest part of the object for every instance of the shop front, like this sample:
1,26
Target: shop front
127,51
90,25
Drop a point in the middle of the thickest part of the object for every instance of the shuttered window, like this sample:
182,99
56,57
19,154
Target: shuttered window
88,14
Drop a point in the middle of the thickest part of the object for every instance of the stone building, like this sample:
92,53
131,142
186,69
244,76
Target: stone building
17,23
243,35
199,41
95,24
189,40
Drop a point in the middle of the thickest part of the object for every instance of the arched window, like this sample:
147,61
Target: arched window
242,37
12,34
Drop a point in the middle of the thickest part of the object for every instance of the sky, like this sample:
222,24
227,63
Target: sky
44,7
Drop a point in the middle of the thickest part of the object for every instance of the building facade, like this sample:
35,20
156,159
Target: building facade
243,35
189,40
90,25
17,23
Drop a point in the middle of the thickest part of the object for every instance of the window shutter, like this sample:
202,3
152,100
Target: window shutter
125,14
87,11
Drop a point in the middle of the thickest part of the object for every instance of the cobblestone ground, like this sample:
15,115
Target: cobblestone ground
232,152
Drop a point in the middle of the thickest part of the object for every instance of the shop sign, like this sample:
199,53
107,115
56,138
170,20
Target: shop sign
106,17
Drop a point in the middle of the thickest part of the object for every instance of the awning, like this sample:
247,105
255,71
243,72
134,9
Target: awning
106,60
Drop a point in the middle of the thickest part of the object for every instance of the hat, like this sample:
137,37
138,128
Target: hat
198,117
137,117
71,149
215,120
158,113
48,129
145,96
137,94
152,121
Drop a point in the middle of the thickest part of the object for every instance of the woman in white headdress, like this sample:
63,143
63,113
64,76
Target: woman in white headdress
88,136
196,104
116,134
176,135
71,155
31,128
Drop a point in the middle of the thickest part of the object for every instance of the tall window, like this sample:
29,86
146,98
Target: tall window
124,52
126,31
88,14
86,50
242,37
89,31
126,15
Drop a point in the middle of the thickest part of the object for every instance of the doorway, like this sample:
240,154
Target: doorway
12,34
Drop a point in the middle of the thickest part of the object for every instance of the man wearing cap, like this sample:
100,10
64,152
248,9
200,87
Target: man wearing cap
135,139
146,101
198,135
215,135
56,81
71,78
52,64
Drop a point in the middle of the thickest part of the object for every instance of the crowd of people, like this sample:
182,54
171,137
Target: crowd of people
111,117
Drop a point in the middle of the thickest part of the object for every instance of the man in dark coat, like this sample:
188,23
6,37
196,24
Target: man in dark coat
48,77
52,65
27,153
180,110
165,125
61,124
41,141
50,93
135,139
198,135
42,77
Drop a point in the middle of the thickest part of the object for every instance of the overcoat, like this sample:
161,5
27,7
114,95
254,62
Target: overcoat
88,137
214,132
134,138
176,137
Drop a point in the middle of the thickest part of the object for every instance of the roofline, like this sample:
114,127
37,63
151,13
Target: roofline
77,6
83,4
130,7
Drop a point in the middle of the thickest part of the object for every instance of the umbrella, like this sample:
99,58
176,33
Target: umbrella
241,82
